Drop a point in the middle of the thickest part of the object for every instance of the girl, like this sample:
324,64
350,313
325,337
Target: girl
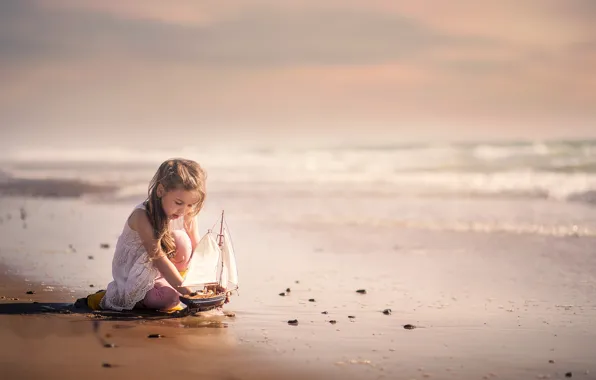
154,249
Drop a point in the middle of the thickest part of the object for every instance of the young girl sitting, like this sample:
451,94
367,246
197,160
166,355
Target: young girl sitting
154,249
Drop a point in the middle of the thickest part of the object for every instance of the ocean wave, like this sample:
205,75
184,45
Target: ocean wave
54,188
561,230
555,170
588,196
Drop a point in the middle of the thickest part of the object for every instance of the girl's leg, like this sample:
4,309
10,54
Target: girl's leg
163,295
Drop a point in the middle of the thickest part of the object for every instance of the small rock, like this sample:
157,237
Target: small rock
109,345
154,336
91,285
282,294
106,365
30,292
230,314
333,321
351,316
324,312
15,299
551,361
90,257
293,322
287,290
297,282
387,311
312,300
568,374
104,246
409,327
361,291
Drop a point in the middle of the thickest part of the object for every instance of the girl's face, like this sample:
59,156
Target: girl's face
177,203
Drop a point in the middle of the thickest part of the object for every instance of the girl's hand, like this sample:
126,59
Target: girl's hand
191,228
188,221
184,290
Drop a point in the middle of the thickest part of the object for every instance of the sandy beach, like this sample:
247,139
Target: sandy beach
484,304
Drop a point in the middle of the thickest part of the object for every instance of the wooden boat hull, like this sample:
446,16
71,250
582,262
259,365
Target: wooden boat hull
204,304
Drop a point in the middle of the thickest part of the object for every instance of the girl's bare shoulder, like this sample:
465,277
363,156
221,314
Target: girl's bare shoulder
138,220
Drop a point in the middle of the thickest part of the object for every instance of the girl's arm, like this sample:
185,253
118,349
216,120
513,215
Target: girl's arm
139,221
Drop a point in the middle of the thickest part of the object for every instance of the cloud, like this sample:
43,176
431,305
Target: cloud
298,64
259,37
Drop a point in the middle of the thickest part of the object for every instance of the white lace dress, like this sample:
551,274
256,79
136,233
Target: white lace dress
134,274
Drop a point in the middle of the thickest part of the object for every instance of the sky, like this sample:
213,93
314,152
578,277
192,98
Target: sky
188,72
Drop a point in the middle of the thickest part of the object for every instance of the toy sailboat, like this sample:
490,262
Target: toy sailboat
212,274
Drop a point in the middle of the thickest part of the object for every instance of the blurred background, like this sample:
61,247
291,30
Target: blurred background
491,99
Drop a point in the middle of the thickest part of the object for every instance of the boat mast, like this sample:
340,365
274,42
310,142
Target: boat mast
220,244
220,236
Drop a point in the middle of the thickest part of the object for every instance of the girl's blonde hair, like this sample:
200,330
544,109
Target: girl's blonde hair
173,174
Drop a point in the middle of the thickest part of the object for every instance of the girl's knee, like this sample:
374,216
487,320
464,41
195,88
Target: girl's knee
183,246
182,241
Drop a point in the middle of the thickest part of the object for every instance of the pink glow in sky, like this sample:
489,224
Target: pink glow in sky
374,71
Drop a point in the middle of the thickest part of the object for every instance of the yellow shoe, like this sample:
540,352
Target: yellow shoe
93,300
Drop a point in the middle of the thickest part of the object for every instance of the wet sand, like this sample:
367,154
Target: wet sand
485,305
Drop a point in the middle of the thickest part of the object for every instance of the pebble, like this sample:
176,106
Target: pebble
293,322
91,285
333,321
409,327
351,316
90,257
387,311
361,291
109,345
551,361
106,365
104,246
288,290
324,312
312,300
30,292
155,336
282,294
568,374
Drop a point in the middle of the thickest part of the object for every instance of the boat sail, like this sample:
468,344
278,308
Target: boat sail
212,273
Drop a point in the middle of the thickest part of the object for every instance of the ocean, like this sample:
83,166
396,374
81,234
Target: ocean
521,187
